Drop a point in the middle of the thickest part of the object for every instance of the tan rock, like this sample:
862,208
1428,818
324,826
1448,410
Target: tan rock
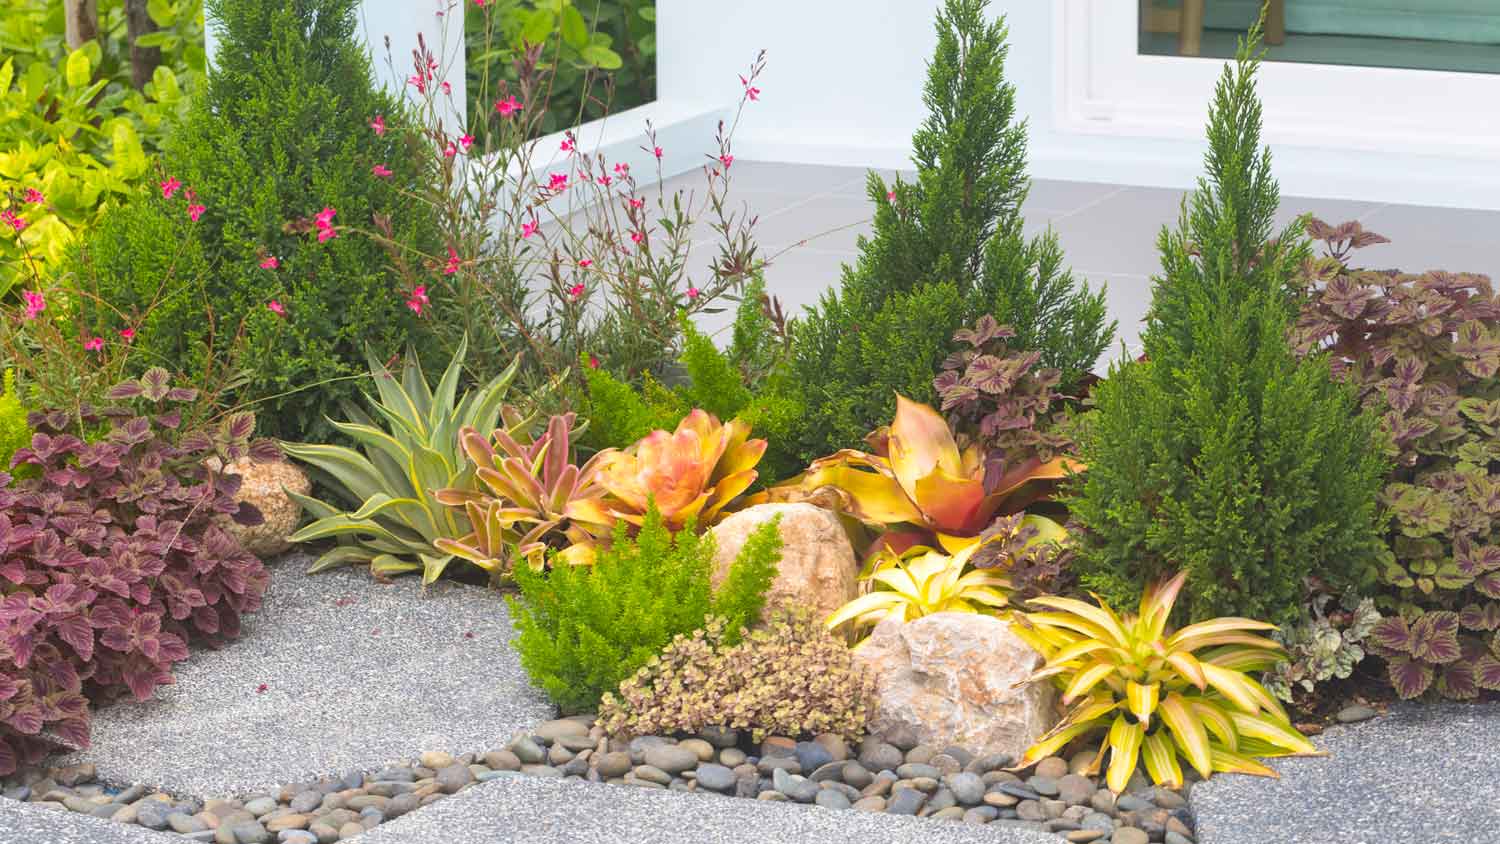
950,678
264,485
817,567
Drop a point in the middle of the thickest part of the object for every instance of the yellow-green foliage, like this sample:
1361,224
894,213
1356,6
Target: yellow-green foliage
788,678
14,432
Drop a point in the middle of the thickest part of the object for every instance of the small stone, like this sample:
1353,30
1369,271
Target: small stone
903,737
968,789
1133,803
1001,800
721,737
1051,767
577,744
980,815
612,765
542,771
436,759
767,764
367,801
988,762
704,750
528,751
1177,838
651,773
79,804
912,770
772,796
306,801
1053,809
125,815
1030,810
881,757
1177,826
20,793
951,813
403,803
921,754
285,822
715,777
389,788
224,835
1075,789
1084,836
778,746
731,757
185,824
153,815
1129,835
855,774
746,785
74,775
326,834
927,785
296,836
1352,714
554,730
879,786
1081,761
454,777
391,775
828,773
557,755
1045,786
1167,798
251,832
674,759
1103,801
502,760
639,745
941,799
906,801
261,806
351,829
1016,789
811,755
870,804
946,764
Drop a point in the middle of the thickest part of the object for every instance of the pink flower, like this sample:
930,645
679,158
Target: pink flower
890,196
418,299
693,292
508,106
447,89
34,196
128,334
169,187
657,151
450,150
606,180
270,263
593,362
637,203
378,124
479,3
528,229
382,171
276,308
14,221
93,344
419,82
726,159
637,237
622,169
453,262
195,211
576,291
466,141
567,145
558,181
35,303
751,91
325,217
325,235
586,263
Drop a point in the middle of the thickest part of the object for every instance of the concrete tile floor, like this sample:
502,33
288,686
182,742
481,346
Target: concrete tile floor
809,219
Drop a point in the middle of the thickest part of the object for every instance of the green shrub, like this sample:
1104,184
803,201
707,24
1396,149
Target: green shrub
947,249
1432,378
282,132
14,432
1222,454
583,629
788,678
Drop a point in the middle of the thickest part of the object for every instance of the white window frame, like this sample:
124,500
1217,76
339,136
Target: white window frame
1104,87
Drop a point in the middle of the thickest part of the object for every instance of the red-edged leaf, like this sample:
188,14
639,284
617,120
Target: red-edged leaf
9,760
1409,679
1488,585
1393,634
76,630
125,390
1487,672
1457,681
1484,616
26,718
1435,638
74,731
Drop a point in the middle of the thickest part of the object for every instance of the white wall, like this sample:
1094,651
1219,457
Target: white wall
844,81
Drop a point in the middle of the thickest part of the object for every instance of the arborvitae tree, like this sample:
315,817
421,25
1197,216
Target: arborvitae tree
282,131
946,249
1220,453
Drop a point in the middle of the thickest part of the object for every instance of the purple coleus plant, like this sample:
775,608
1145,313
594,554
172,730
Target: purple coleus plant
1423,351
114,558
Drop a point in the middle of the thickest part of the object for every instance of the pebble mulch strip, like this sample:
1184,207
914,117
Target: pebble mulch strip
893,774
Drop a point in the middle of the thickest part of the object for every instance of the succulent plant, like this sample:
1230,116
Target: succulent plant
1152,694
410,450
1325,645
692,474
918,488
922,582
537,499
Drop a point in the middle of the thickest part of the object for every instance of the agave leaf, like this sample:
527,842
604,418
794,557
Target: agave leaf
1160,757
313,507
341,525
341,555
389,565
394,398
414,383
440,400
346,466
433,566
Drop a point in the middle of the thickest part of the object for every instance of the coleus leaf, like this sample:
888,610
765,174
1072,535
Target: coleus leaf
1457,681
1485,616
1393,634
1487,672
1488,585
1410,679
1435,638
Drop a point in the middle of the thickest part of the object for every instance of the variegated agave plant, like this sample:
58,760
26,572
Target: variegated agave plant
1157,695
409,449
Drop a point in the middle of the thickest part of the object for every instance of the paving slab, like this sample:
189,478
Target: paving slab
27,823
337,673
1423,773
551,811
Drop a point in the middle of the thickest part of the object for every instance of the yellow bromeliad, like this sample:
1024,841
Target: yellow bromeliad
1154,696
922,583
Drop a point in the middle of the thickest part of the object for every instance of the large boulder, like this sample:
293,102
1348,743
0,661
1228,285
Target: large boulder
817,567
265,486
951,679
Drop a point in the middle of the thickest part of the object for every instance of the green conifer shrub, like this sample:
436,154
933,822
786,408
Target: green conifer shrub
946,250
1221,453
584,629
282,132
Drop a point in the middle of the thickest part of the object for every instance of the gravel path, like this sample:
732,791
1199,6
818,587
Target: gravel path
1424,773
550,811
337,674
25,823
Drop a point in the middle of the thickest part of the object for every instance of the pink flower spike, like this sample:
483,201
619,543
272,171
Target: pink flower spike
450,150
637,203
35,303
34,196
276,308
93,344
325,217
606,181
586,263
693,292
567,145
528,229
447,89
622,169
558,181
382,171
657,151
195,211
419,82
12,220
453,262
726,159
508,106
890,196
576,291
128,334
169,187
751,92
325,235
593,362
378,124
466,141
270,263
637,237
418,299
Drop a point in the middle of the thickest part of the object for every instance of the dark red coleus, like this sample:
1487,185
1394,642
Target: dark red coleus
113,559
